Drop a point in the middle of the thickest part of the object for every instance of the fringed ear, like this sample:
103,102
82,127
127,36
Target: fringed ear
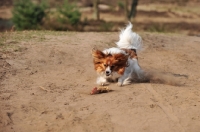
97,54
121,59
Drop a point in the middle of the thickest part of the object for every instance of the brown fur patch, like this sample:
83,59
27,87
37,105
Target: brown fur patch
132,53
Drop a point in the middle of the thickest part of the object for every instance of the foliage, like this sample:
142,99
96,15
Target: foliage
27,15
69,14
106,26
158,28
121,4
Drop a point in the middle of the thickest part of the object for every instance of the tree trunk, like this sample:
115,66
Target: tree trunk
96,9
133,9
126,9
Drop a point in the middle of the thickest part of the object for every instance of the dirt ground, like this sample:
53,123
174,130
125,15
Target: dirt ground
46,78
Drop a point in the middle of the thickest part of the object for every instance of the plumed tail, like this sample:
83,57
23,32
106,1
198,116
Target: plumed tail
129,39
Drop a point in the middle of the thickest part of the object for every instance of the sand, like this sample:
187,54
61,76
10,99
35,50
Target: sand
45,86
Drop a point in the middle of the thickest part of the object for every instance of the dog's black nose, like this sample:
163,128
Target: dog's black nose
107,72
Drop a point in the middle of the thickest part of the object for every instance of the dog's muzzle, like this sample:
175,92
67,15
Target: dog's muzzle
108,73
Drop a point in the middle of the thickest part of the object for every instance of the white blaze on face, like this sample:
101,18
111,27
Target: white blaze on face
108,69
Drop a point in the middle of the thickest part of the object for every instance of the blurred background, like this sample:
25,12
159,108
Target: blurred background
167,16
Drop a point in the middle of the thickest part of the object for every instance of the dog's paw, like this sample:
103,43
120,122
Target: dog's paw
127,81
119,84
104,84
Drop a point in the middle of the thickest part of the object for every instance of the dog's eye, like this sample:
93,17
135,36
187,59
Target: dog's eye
112,67
105,65
98,63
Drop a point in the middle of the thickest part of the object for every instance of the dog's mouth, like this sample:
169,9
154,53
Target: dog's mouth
108,74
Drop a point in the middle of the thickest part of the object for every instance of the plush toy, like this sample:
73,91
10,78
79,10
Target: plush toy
99,90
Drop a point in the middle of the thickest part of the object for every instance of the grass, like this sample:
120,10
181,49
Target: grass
173,8
107,26
158,28
10,41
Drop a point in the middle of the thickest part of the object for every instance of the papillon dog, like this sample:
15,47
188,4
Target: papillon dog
122,59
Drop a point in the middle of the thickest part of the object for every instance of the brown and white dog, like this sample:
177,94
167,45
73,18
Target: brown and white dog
122,60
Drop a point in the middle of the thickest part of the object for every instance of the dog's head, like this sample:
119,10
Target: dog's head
109,63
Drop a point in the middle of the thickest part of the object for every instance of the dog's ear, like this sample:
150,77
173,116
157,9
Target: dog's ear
97,54
121,61
121,58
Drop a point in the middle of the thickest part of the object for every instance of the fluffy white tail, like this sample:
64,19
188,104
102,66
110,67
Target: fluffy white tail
129,39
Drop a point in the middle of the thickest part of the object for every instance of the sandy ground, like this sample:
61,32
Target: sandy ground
45,86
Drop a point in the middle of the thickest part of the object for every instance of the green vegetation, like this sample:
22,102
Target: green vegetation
30,16
161,28
106,26
121,4
9,41
68,13
16,36
27,15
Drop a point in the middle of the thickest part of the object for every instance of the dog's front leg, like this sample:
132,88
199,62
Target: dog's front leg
124,80
102,81
120,81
